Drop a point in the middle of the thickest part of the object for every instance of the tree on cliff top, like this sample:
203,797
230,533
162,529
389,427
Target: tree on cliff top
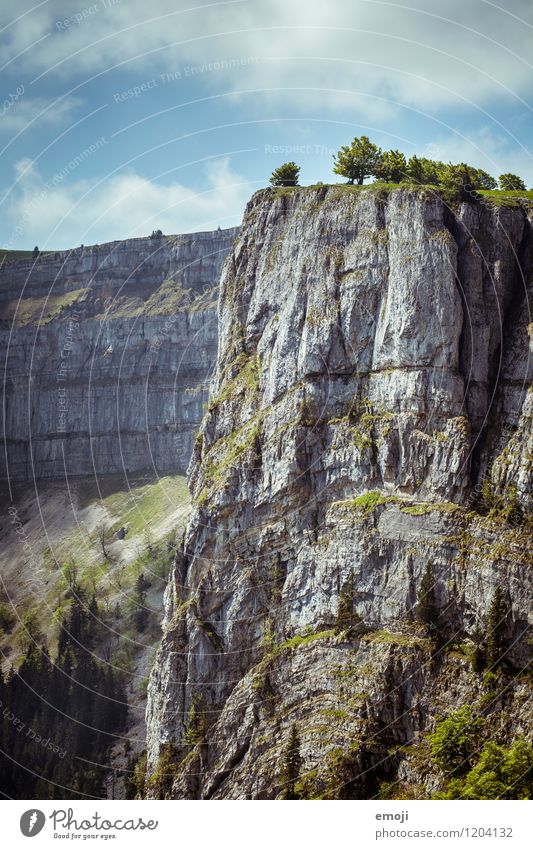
286,175
358,160
511,183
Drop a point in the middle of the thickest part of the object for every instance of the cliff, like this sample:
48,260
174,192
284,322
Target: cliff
108,350
369,424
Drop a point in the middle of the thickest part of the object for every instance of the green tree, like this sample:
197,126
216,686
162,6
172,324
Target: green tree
458,181
347,617
286,175
455,740
482,179
511,183
423,171
495,629
499,774
426,610
357,161
391,167
292,762
141,613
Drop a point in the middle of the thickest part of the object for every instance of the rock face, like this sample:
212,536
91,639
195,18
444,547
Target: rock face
109,349
368,423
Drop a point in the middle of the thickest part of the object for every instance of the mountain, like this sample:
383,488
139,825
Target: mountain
108,351
357,562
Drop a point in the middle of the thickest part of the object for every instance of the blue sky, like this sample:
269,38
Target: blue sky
122,117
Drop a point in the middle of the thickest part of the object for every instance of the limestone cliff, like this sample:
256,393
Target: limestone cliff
109,348
369,422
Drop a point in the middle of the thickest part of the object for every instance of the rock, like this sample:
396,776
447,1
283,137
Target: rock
372,372
109,351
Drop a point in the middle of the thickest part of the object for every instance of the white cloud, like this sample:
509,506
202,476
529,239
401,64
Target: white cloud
436,54
36,111
125,205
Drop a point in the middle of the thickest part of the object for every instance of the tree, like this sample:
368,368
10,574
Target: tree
292,762
483,180
156,234
357,161
455,741
391,167
101,533
141,613
426,610
286,175
347,617
424,171
458,180
511,183
35,252
495,630
499,774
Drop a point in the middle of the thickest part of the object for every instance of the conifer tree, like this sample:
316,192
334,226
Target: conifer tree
292,762
426,610
286,175
495,629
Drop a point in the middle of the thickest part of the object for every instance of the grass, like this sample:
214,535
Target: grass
425,507
387,637
501,198
367,502
303,640
495,196
12,256
147,502
29,310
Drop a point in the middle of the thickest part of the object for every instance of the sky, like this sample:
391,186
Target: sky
119,117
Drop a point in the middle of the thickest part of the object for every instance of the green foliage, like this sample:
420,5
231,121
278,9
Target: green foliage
346,617
455,740
499,774
161,781
141,611
482,179
135,780
423,171
495,630
68,713
426,610
391,167
511,183
368,501
501,506
7,619
196,723
291,766
358,160
457,182
286,175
